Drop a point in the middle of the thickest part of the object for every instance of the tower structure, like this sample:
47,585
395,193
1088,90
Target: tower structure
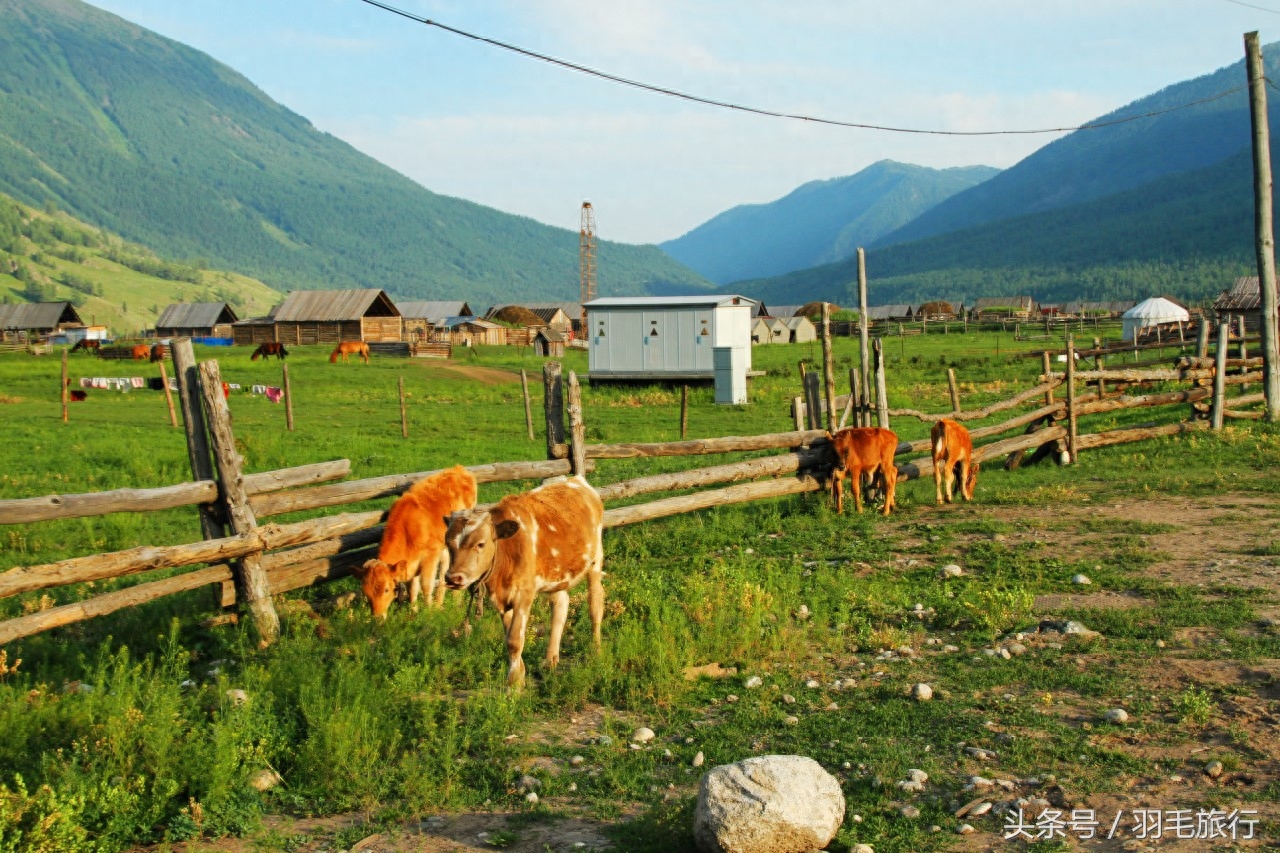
587,259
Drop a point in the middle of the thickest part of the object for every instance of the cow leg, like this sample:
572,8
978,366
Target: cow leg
837,490
559,613
442,568
855,481
516,619
415,590
949,476
962,479
938,465
595,594
889,472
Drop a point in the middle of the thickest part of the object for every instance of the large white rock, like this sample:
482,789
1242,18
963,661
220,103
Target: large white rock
768,804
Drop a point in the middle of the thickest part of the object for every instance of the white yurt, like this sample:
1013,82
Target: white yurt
1152,312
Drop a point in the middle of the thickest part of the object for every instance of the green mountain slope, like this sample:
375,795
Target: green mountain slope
1189,234
1091,164
49,255
820,222
167,147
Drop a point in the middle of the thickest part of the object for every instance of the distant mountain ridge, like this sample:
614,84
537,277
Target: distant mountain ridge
162,144
819,222
1159,204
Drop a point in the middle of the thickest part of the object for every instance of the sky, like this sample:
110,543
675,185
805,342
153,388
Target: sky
466,119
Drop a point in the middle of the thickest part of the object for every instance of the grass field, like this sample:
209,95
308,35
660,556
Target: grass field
376,727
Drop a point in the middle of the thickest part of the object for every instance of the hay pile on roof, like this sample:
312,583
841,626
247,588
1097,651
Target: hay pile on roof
517,315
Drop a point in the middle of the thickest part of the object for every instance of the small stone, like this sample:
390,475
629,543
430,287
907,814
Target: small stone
732,697
911,787
802,612
576,761
980,809
1116,716
644,734
791,721
917,607
237,696
1160,644
966,829
916,775
528,783
812,684
935,828
1213,769
1081,580
921,692
909,812
951,571
788,699
531,797
846,765
980,753
949,649
832,706
604,740
1016,649
906,651
264,780
857,818
573,786
753,682
863,848
698,759
1005,653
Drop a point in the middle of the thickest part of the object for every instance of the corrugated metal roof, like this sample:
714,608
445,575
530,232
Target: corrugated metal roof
668,301
784,310
551,335
37,315
195,315
571,309
1244,295
328,306
426,310
888,312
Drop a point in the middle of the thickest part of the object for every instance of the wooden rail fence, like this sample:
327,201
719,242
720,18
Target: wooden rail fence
287,556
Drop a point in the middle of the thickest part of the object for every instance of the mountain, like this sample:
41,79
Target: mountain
167,147
1090,164
820,222
48,255
1160,204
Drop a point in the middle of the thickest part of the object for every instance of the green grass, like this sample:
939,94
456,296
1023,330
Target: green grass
409,717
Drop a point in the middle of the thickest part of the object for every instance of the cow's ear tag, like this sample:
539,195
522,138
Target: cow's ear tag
506,529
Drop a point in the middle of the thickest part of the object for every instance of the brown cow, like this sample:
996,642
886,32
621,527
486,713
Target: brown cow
159,352
539,542
859,451
141,352
413,539
952,448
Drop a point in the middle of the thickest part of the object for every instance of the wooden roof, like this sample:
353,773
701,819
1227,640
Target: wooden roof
888,312
195,315
427,310
1017,303
1244,295
330,306
38,315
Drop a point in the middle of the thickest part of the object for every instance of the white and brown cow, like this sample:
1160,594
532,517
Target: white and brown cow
539,542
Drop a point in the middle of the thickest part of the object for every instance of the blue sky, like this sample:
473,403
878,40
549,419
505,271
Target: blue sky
467,120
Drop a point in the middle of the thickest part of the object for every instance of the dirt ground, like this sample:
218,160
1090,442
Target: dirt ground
1224,541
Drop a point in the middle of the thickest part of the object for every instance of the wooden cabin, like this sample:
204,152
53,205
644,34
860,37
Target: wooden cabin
196,320
326,317
421,316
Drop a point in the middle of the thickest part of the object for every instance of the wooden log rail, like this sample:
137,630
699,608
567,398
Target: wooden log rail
728,444
49,507
1017,400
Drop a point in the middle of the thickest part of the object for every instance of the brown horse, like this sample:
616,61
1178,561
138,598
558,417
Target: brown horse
141,352
269,348
88,345
158,352
346,348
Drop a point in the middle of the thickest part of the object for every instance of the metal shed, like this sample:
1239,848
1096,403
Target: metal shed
196,320
667,337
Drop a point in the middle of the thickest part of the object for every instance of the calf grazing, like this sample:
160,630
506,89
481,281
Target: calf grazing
413,539
159,352
859,451
78,396
952,448
539,542
346,348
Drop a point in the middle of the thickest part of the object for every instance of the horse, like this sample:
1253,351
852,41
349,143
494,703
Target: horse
269,348
158,352
346,348
141,352
88,345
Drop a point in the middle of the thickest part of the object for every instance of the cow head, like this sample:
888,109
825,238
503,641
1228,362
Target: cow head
473,538
970,482
379,584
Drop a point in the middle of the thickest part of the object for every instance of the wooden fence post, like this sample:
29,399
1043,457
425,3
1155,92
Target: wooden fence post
813,400
189,400
864,365
528,409
882,395
168,395
578,448
288,398
828,367
1244,351
404,417
62,386
797,403
553,409
1048,365
1072,431
253,588
684,411
1220,376
955,392
851,406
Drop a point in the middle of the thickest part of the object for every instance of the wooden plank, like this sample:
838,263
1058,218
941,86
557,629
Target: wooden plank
395,484
1072,427
252,586
1116,403
67,614
740,493
1123,436
700,446
987,411
750,469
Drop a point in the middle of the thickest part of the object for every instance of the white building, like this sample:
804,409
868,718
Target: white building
1155,311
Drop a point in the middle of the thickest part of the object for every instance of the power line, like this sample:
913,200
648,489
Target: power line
648,87
1251,6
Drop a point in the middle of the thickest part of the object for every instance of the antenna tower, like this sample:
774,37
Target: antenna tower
587,257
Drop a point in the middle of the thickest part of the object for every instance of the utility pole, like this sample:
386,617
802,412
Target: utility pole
587,260
1263,224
